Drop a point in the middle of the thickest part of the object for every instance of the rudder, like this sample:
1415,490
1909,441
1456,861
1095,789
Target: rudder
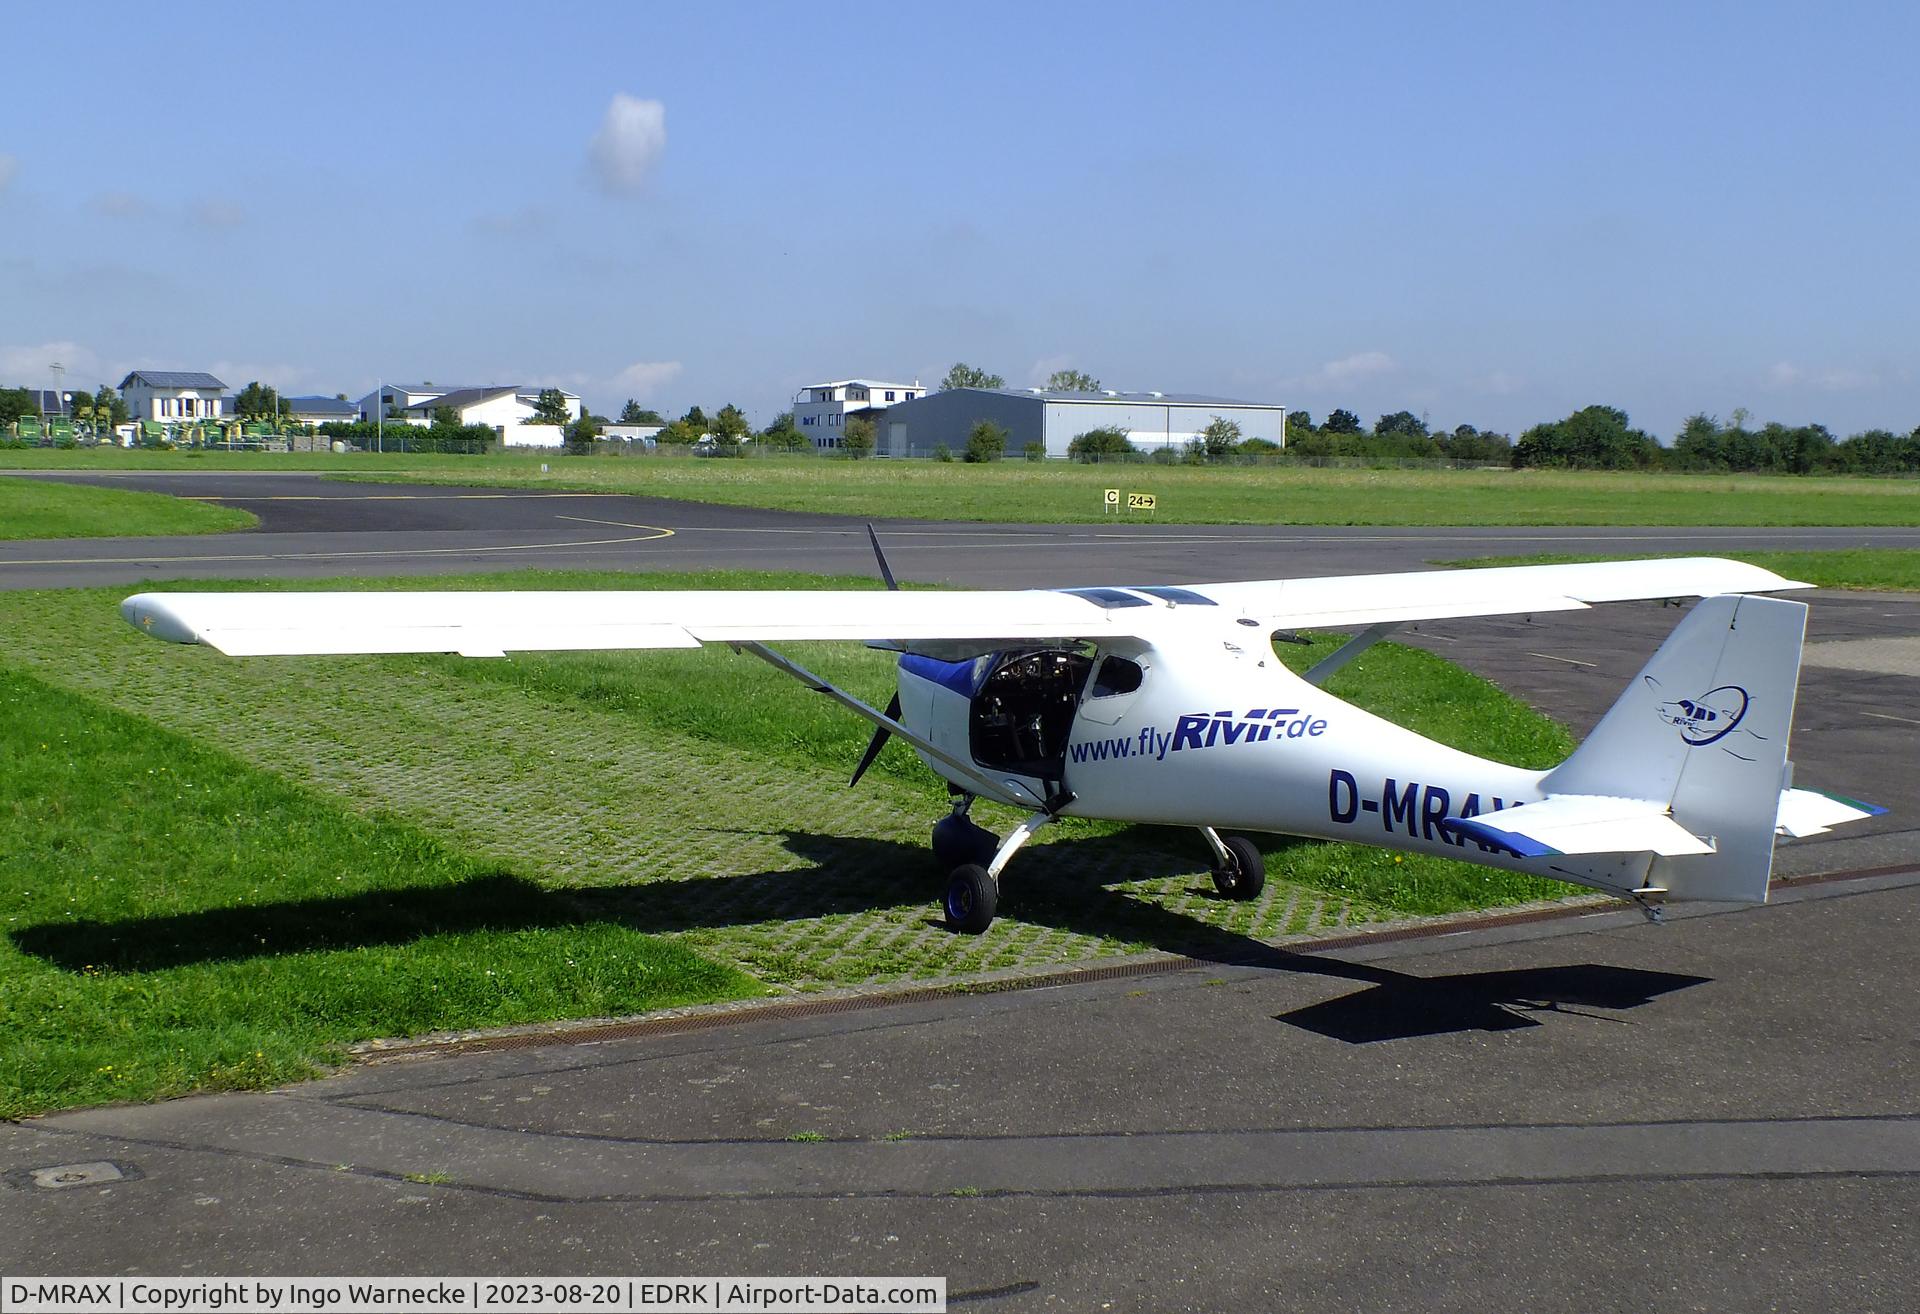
1703,730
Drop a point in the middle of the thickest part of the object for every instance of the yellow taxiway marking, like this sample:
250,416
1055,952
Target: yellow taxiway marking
657,533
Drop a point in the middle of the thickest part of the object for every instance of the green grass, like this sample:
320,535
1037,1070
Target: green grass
1055,492
39,508
1881,569
176,920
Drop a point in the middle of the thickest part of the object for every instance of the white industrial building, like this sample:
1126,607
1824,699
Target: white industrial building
171,396
1055,418
821,410
507,410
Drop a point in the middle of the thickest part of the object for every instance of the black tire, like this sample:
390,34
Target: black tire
971,897
958,842
1246,875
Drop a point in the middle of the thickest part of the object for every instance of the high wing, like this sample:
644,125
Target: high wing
1349,601
946,624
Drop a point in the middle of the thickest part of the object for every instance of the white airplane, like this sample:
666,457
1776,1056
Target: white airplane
1168,705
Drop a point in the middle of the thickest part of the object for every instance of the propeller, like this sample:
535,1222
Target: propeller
881,734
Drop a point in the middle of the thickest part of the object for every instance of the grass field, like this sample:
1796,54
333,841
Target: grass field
1888,569
38,508
1055,492
216,872
178,920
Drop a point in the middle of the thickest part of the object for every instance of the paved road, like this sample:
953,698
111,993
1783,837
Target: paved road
1583,1115
312,527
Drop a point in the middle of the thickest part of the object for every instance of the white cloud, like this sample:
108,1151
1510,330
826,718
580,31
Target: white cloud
1046,367
1502,384
1785,374
1362,365
631,139
523,222
218,214
28,365
9,169
1343,373
641,378
119,205
237,374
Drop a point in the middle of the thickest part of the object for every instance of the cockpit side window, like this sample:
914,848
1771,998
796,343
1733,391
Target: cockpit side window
1116,676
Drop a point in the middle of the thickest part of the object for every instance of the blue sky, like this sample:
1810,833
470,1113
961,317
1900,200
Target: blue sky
1491,214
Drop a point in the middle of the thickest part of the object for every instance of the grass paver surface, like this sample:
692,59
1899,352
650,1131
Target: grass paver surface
580,798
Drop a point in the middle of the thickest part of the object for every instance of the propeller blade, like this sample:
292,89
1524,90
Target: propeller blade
886,572
879,741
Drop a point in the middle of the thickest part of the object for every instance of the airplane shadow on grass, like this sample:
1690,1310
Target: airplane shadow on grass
1062,885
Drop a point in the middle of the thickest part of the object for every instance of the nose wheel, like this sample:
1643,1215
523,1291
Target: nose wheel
973,890
972,895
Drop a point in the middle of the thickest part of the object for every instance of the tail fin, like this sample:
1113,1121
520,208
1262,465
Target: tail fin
1703,730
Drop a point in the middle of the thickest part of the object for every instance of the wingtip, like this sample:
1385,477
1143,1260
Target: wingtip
150,614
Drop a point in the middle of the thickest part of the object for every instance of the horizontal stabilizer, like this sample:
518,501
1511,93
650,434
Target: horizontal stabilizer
1806,812
1581,823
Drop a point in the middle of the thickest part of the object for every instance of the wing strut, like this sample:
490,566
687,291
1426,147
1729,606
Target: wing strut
879,740
1347,651
1001,791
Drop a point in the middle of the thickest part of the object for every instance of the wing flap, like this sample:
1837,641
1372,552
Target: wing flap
1582,824
1344,600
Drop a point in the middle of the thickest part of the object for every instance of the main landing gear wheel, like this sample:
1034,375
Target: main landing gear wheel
971,896
957,842
1246,875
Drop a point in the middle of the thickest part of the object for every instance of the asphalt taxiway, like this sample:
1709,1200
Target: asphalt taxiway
1587,1113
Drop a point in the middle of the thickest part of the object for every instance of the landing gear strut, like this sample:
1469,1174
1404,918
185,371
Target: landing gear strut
973,890
1239,872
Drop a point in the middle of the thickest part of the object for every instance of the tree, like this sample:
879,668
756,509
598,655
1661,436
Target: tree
582,432
963,375
856,437
1108,440
446,417
104,397
730,424
1401,422
550,407
1592,438
783,434
257,401
1071,381
1342,421
1299,422
680,434
986,442
1218,440
16,403
697,419
634,413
